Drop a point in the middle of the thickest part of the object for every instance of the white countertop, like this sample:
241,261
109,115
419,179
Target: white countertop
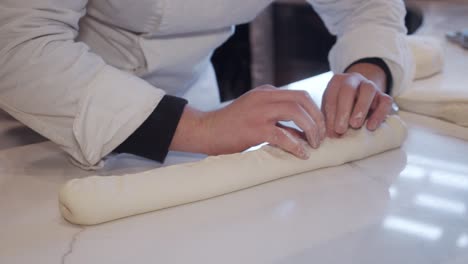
403,206
408,205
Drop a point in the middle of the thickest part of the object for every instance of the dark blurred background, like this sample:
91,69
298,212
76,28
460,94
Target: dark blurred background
286,43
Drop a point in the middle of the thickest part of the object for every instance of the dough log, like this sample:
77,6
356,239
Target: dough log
99,199
428,55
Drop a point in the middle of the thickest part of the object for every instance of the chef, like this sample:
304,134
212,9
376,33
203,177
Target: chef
102,76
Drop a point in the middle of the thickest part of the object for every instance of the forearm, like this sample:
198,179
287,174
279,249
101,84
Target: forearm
60,89
191,133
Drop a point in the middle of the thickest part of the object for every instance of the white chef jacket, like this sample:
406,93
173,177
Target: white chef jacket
87,73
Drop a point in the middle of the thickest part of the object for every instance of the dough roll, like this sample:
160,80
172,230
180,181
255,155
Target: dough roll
99,199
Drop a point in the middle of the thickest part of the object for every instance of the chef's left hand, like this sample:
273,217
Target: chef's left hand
354,97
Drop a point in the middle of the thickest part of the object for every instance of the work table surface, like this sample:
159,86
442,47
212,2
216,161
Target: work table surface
407,205
404,206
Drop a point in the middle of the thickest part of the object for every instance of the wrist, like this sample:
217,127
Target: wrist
191,134
371,72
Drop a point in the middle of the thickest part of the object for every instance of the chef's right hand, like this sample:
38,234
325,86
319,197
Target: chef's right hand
250,120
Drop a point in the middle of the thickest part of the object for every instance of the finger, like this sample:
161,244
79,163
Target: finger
329,104
295,112
374,104
366,94
295,132
383,109
346,99
306,101
313,110
283,139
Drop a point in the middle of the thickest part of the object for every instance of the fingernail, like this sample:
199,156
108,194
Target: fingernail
356,122
342,124
303,153
323,132
358,119
318,138
314,144
341,128
310,141
341,131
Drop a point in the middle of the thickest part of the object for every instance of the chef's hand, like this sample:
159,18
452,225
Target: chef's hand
251,120
354,97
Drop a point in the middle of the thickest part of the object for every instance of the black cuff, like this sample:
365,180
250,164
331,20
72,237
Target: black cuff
153,138
380,63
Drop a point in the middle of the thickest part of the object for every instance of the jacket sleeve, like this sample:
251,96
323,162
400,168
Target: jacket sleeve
368,29
56,86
